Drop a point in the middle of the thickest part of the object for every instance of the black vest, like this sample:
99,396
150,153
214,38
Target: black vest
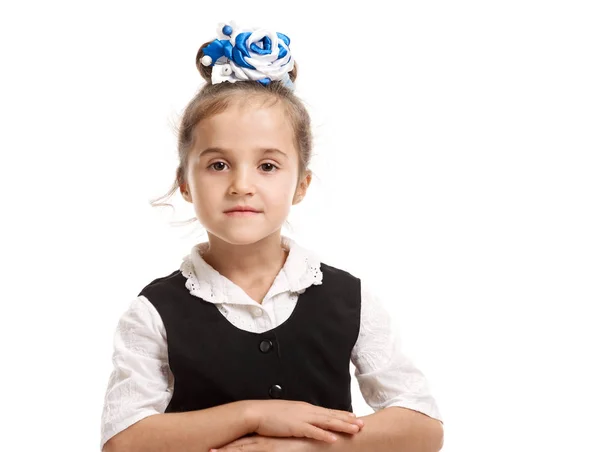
306,358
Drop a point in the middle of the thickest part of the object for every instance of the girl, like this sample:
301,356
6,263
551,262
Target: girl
247,346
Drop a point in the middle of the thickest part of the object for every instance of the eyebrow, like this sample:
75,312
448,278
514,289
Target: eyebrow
218,150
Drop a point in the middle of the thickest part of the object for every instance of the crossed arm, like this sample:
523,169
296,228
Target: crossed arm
393,429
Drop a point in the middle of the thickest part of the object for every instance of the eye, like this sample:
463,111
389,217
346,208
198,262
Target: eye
218,166
268,167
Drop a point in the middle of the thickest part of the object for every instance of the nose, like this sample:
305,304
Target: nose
242,182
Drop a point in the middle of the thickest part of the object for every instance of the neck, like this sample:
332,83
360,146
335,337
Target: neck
246,262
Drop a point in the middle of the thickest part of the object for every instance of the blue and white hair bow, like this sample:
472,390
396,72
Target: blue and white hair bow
249,54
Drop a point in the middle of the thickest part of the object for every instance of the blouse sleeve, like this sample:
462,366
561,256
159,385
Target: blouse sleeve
141,383
386,377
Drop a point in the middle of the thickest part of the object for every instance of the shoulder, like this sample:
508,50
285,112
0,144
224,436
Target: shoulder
340,278
337,272
339,281
163,284
164,281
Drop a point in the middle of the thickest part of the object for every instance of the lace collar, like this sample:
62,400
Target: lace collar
300,270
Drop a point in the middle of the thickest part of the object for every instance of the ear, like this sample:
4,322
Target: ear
302,187
185,192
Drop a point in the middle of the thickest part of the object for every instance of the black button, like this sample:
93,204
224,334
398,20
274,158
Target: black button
276,392
265,346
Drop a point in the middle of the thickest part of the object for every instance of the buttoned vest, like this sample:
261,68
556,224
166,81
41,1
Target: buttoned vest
306,358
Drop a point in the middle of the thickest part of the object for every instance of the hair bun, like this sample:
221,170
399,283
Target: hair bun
205,71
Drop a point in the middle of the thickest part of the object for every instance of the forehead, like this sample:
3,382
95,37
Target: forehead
246,124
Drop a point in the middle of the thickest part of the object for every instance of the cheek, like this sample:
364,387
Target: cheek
204,191
281,197
202,186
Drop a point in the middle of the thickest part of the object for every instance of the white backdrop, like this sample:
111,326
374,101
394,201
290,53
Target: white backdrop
457,170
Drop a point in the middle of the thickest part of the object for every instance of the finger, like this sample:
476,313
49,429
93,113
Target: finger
337,414
337,425
342,413
243,447
310,431
239,444
350,418
238,448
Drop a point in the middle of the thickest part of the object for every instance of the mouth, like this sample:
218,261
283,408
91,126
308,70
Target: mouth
242,212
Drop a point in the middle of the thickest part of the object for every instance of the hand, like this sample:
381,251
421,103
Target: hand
266,444
286,418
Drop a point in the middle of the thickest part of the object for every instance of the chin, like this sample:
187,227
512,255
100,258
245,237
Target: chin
245,236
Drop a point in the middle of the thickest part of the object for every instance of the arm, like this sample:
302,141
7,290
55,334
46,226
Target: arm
140,388
393,429
194,431
406,414
139,391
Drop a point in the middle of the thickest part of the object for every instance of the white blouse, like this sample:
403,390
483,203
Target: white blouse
141,383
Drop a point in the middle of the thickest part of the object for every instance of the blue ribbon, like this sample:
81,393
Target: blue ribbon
223,48
238,53
217,49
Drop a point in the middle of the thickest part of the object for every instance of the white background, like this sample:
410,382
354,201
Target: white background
457,170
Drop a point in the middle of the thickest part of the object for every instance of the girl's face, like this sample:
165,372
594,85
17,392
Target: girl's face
244,156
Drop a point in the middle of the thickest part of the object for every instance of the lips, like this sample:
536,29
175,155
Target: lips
245,209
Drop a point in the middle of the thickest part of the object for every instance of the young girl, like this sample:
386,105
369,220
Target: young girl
247,346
